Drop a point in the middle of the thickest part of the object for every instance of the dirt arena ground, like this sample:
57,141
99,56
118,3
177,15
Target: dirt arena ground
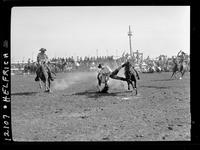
74,111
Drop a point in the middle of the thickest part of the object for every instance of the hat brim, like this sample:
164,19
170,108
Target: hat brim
42,49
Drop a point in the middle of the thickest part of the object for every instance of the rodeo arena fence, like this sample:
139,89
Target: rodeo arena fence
160,64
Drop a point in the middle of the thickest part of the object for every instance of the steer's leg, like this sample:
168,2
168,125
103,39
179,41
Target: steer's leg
99,82
113,75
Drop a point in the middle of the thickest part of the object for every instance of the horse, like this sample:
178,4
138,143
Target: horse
130,75
43,74
180,67
30,68
61,66
33,68
27,68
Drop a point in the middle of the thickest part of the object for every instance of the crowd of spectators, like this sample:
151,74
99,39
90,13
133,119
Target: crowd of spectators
89,63
83,63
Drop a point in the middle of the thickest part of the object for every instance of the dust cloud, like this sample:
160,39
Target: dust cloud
74,78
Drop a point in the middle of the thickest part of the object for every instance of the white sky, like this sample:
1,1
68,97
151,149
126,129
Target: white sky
80,31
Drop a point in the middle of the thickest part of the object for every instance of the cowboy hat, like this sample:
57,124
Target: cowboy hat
42,49
100,65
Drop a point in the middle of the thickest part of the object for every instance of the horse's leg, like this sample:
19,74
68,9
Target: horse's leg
46,85
128,81
135,83
134,86
46,76
40,84
182,73
49,85
128,85
172,74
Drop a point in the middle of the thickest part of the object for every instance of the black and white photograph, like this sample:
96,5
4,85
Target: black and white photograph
100,73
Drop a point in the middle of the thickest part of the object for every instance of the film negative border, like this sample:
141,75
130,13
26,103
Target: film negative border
5,75
6,126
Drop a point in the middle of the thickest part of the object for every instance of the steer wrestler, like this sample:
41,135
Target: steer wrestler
104,74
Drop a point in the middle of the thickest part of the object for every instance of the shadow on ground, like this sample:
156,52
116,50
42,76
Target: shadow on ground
156,87
24,94
95,94
164,80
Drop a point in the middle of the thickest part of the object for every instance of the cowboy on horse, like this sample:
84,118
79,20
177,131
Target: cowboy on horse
130,74
181,56
179,64
42,59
